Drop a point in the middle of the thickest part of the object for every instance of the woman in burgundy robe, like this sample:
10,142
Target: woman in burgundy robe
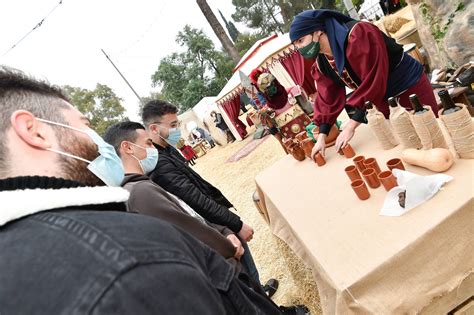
357,55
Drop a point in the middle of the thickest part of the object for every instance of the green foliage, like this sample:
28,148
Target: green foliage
146,99
201,70
267,17
437,30
233,32
245,41
101,105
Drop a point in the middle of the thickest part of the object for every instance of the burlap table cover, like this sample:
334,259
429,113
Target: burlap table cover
365,263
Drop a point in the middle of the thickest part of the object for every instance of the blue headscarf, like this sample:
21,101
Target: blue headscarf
331,22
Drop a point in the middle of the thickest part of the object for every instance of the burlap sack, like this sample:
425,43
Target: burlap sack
403,128
461,129
381,129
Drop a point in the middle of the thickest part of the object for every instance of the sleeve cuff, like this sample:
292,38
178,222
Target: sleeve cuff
325,128
360,115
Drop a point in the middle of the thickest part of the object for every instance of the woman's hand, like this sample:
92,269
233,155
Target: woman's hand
346,134
320,145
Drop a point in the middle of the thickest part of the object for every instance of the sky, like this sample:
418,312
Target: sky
66,49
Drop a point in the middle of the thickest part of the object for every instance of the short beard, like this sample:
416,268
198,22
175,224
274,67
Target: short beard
75,169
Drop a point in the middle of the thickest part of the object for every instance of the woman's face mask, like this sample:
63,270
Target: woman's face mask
107,166
149,163
311,50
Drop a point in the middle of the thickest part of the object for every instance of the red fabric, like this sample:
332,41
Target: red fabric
188,152
308,83
280,99
249,121
294,65
367,54
299,70
254,75
425,94
232,108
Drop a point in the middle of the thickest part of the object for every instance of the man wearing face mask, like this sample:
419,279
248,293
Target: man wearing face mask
175,176
357,55
139,157
67,245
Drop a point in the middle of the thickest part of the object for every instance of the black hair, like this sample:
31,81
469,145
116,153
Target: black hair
123,131
154,110
21,92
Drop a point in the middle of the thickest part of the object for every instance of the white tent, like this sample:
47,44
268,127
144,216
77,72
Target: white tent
204,107
257,56
261,55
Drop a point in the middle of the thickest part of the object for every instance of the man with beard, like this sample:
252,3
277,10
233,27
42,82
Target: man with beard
65,246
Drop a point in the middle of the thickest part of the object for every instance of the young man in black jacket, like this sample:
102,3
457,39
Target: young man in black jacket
175,176
66,244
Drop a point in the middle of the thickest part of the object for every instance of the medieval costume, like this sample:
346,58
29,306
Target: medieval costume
363,59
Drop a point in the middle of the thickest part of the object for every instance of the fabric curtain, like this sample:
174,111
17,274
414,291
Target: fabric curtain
308,82
293,63
294,66
280,73
232,108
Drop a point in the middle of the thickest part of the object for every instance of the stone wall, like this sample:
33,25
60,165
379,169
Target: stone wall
446,29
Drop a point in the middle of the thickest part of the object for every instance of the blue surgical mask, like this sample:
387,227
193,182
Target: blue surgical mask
174,136
107,166
148,164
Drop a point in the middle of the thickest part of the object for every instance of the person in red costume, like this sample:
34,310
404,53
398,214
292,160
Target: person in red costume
357,55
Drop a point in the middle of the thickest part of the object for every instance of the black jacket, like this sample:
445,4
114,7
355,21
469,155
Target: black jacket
77,260
174,175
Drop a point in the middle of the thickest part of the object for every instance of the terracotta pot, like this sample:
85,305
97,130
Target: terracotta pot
395,163
352,172
287,142
307,145
360,189
371,178
297,152
319,159
348,151
359,162
340,152
388,180
372,163
331,138
301,136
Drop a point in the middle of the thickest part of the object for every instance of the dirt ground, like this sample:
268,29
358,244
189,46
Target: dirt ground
273,257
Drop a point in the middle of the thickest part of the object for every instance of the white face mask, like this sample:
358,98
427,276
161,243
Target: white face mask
149,163
107,166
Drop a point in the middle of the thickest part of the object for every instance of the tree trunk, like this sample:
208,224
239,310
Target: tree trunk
219,30
445,30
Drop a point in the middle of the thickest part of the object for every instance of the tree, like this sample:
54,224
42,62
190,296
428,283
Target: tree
245,41
219,30
146,99
101,105
185,78
233,31
272,16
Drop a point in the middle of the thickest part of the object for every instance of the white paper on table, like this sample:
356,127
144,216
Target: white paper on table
418,190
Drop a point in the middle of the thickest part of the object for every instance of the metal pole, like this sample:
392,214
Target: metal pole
129,85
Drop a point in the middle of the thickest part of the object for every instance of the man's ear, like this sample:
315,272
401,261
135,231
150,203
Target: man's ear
153,129
30,130
125,147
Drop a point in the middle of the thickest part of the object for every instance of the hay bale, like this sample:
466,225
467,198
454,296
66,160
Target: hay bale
393,23
273,257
